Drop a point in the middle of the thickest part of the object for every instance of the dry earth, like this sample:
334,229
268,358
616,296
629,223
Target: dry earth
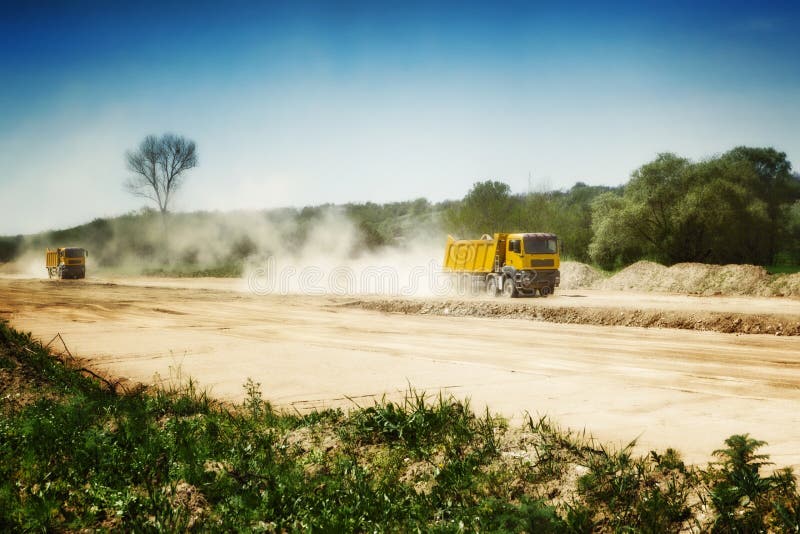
665,386
689,278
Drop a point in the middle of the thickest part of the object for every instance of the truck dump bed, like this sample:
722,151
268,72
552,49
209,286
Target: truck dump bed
51,258
470,255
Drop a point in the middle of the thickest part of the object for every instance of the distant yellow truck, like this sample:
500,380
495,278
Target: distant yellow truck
68,262
512,265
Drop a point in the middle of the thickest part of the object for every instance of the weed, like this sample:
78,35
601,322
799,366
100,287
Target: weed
746,501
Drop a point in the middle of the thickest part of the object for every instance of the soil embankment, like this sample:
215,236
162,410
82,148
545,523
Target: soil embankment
685,278
623,314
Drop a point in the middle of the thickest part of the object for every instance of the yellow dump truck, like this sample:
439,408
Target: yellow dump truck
508,264
68,262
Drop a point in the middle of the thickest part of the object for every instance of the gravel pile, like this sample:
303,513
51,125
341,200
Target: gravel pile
687,278
576,275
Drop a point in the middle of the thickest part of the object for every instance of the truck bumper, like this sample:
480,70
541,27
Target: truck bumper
73,271
528,281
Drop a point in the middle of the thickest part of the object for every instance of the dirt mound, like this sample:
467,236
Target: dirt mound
687,278
728,323
576,275
641,276
787,285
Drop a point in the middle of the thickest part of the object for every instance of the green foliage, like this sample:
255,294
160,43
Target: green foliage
76,456
393,223
789,254
727,209
740,207
635,492
567,214
746,501
614,244
415,423
10,247
487,208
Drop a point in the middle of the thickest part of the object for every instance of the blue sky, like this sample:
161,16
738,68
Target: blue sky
304,103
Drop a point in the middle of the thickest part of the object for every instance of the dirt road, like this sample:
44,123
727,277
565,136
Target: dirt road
668,387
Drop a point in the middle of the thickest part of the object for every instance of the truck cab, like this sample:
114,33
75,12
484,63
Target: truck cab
532,261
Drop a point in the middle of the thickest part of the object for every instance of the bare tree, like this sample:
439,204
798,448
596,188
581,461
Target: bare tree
159,166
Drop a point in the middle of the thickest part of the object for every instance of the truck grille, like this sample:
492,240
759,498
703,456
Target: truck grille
541,263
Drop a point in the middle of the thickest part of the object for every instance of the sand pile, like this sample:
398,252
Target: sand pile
686,278
786,285
576,275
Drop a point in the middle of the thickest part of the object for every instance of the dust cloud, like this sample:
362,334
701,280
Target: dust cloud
28,265
333,260
311,251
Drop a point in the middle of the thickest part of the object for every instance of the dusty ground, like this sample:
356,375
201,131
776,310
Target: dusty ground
669,387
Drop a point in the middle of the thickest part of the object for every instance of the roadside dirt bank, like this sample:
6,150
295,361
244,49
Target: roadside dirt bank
716,321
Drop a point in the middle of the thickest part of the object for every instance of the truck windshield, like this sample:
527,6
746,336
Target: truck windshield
73,253
541,245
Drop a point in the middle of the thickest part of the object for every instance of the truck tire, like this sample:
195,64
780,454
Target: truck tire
546,290
491,287
509,288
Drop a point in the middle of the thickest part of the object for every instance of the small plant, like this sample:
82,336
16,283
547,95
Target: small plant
744,500
415,423
637,493
254,402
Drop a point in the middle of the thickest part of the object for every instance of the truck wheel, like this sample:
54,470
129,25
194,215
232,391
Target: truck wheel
491,287
509,288
546,290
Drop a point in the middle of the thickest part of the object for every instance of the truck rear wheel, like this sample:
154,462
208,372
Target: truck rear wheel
491,287
509,288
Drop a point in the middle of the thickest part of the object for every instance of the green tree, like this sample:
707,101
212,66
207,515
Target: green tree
728,209
573,219
642,221
487,208
720,219
790,251
651,197
615,241
10,247
776,187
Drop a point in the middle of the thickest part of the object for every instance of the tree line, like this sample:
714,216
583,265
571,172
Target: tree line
739,207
